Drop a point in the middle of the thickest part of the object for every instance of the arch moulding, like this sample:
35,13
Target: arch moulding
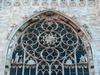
49,15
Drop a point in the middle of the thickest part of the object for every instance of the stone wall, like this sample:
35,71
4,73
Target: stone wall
14,12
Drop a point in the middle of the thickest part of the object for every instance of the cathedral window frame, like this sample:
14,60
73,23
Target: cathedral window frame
20,30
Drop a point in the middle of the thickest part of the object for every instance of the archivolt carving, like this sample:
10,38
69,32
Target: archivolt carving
48,44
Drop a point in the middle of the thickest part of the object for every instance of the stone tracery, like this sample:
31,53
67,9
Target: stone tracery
55,49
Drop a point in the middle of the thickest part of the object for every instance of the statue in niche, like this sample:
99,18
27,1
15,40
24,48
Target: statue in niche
31,62
82,59
69,61
16,58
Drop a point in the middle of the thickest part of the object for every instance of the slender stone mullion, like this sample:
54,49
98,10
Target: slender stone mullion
24,61
16,70
30,70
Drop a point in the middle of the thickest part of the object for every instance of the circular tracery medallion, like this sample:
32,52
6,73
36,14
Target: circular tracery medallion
49,39
50,36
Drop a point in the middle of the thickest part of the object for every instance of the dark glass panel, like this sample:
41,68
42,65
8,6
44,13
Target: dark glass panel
46,73
19,40
30,30
19,71
80,71
35,46
37,54
53,67
60,24
62,54
64,46
80,47
59,67
49,28
13,71
70,48
36,32
19,47
59,29
46,67
53,73
45,25
63,32
74,39
40,67
69,30
26,71
29,48
73,71
33,71
50,57
80,41
86,71
78,55
59,73
40,73
66,71
54,26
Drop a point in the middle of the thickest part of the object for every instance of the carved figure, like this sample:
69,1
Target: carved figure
82,59
31,62
69,61
16,58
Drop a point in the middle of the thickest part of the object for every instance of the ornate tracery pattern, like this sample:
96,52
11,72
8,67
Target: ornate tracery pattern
49,48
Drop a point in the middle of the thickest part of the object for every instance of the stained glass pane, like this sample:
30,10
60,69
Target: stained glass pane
13,71
80,72
33,71
26,71
19,71
66,70
86,71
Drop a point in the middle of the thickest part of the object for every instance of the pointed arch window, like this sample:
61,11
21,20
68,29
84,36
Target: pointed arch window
48,46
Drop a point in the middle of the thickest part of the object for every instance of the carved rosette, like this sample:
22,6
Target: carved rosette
26,3
17,4
7,3
92,4
54,3
63,4
35,3
73,4
44,4
82,4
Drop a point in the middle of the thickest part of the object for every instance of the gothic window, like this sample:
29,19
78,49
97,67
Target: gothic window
49,47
